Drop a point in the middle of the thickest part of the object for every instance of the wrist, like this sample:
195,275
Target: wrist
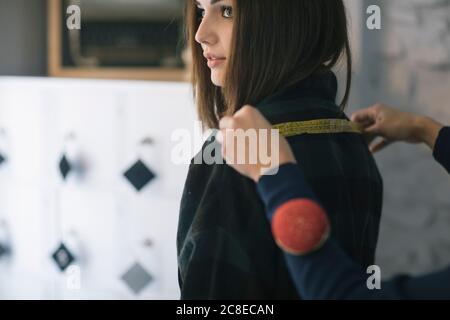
428,130
262,171
284,158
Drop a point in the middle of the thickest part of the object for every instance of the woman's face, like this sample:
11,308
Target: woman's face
214,35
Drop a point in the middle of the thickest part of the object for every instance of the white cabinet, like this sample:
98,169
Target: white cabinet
104,127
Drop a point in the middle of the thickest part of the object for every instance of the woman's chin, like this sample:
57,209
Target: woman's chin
216,79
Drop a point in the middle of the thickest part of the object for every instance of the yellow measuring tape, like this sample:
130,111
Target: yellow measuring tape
289,129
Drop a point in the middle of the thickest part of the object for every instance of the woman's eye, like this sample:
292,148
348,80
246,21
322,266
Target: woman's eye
200,13
227,12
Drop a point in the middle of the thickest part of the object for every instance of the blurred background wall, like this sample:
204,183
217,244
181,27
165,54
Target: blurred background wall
406,64
23,33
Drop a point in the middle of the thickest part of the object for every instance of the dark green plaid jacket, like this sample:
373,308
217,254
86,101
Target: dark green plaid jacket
224,242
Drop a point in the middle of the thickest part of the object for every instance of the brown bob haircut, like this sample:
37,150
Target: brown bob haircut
276,43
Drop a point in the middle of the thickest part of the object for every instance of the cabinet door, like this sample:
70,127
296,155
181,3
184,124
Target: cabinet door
123,240
152,113
25,194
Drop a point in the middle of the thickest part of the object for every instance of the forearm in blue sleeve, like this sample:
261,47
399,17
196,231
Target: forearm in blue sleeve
329,273
325,274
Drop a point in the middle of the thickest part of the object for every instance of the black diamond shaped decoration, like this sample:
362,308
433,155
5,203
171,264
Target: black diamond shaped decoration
137,278
2,159
139,175
64,166
63,257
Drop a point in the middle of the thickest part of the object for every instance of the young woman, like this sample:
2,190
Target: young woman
276,56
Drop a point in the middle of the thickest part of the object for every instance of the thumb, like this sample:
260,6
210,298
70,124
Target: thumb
383,143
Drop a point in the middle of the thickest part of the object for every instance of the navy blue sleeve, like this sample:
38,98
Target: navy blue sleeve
288,183
329,273
442,148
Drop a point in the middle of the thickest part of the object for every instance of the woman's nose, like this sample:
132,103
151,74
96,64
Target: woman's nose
206,33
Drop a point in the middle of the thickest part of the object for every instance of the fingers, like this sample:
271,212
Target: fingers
245,109
367,124
370,131
243,118
377,146
370,118
370,121
362,116
366,115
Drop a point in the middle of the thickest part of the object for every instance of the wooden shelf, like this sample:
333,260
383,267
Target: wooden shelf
56,68
156,74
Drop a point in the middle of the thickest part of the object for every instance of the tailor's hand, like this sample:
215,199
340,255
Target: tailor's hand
260,152
393,125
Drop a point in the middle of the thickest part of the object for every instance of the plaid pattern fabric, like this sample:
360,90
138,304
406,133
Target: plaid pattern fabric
224,242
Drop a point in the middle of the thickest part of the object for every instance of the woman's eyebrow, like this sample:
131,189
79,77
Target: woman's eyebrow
213,2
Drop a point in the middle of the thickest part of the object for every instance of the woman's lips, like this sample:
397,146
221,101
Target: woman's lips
213,63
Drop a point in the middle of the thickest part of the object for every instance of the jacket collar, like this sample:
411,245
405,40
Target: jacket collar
321,86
